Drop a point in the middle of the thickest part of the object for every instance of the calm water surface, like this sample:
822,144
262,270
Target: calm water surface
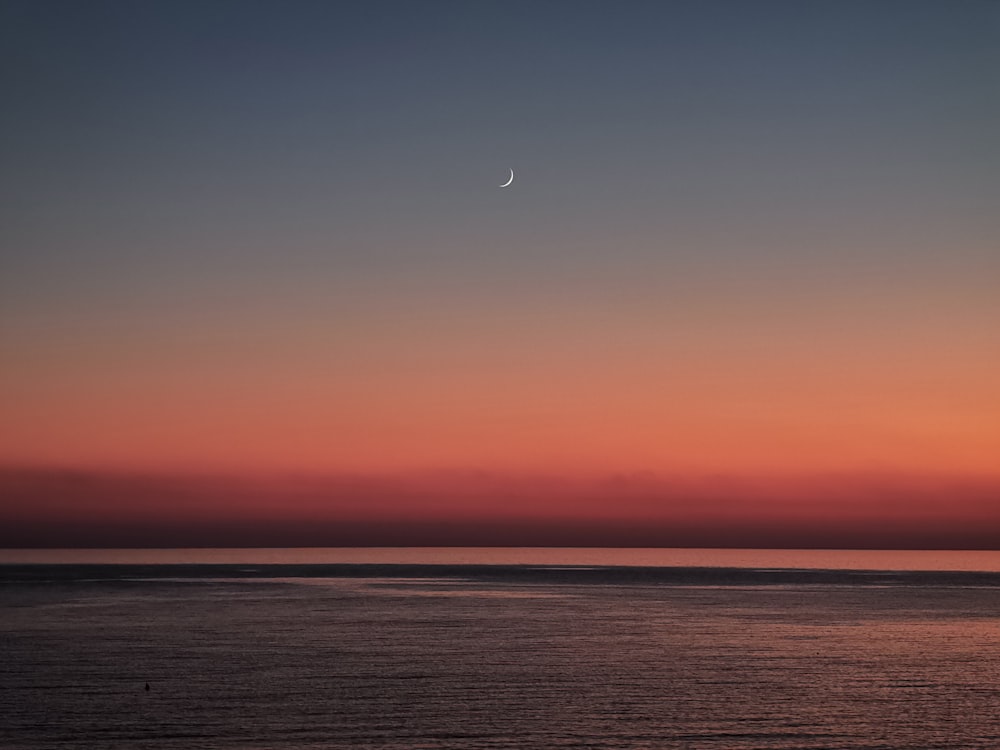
506,652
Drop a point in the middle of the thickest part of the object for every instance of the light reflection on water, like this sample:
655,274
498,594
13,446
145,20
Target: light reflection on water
947,560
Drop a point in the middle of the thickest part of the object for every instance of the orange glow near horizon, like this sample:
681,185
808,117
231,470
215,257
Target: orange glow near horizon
552,423
552,403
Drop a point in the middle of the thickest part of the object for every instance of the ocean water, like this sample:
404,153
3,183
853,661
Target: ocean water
425,652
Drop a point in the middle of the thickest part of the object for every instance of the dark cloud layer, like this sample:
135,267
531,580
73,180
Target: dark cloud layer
48,508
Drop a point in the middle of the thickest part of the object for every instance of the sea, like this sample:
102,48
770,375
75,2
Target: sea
489,649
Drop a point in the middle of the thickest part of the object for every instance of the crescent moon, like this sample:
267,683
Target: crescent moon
510,180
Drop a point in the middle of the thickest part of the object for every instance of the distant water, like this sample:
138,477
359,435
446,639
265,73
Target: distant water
284,650
662,558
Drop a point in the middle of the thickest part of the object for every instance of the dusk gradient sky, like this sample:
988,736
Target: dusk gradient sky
747,239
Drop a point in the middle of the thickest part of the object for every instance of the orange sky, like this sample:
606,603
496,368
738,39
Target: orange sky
547,384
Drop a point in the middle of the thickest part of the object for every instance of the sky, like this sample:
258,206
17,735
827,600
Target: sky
266,241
